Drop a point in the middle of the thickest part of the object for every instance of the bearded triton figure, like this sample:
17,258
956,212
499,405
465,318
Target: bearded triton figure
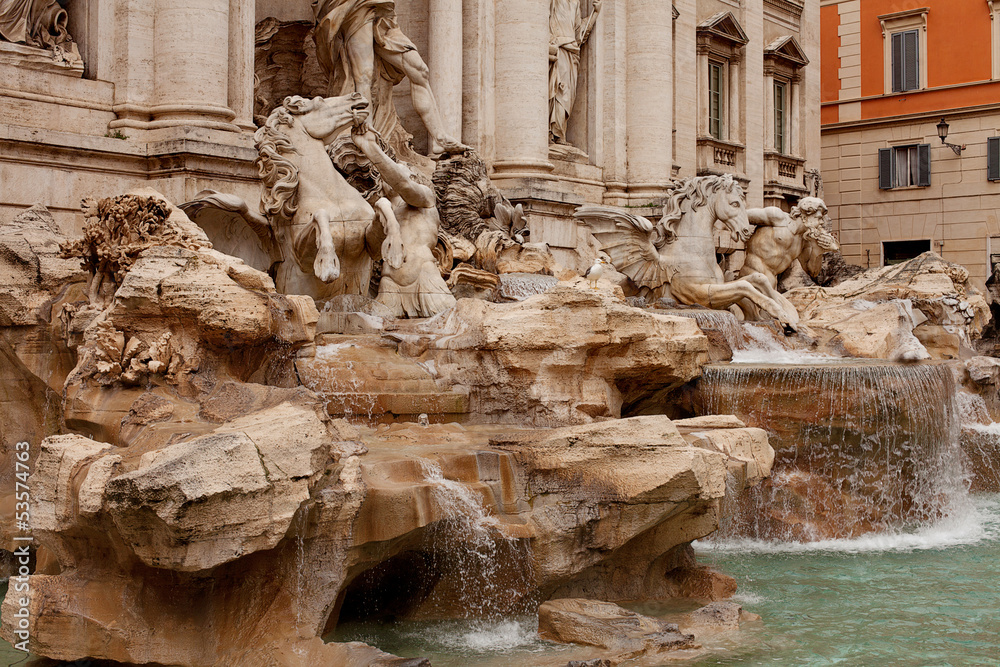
567,34
40,23
361,47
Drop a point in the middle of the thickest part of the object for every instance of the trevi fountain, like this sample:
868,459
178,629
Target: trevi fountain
361,332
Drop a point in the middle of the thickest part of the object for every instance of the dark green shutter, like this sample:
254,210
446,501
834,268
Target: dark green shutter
993,158
885,168
911,60
923,165
897,62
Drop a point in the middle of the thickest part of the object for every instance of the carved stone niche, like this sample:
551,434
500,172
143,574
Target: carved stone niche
34,35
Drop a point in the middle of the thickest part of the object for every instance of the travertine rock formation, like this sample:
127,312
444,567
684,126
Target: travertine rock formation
568,356
257,532
200,507
922,308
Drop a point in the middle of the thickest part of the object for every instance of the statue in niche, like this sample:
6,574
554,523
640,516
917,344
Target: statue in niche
42,24
362,48
676,255
568,32
782,238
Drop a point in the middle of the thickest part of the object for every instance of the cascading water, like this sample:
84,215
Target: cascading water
479,605
980,442
719,320
487,572
861,447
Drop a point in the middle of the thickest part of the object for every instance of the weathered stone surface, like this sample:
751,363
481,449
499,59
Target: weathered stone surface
569,355
874,314
606,625
634,482
204,502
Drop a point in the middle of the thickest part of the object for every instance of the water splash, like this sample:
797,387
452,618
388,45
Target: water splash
343,387
761,346
860,448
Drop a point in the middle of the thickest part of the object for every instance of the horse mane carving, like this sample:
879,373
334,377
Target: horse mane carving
696,192
279,198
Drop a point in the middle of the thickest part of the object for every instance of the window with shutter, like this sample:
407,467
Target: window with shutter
885,168
905,61
993,158
904,166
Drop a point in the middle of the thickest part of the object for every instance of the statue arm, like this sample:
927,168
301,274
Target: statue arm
767,217
395,174
591,22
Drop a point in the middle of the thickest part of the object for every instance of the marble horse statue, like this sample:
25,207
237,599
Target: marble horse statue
318,235
676,255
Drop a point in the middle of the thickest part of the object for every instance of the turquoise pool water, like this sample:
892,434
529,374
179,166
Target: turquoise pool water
925,598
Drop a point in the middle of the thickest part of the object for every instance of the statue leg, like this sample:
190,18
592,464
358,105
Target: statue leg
361,56
326,266
723,295
424,102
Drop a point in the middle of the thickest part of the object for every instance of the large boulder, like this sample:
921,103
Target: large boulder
922,308
625,634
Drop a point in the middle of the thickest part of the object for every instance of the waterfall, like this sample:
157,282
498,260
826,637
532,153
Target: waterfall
485,573
861,447
719,320
980,442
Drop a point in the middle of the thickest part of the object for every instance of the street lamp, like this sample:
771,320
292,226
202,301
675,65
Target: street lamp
942,129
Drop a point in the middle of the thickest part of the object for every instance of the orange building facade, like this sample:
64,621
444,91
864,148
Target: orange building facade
891,71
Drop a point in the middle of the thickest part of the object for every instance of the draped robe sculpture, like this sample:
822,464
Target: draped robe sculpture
568,32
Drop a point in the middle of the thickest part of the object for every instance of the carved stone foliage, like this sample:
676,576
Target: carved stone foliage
118,229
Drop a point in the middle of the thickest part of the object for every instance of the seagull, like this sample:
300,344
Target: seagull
595,272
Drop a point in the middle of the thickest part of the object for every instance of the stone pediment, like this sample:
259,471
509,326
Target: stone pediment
787,48
724,26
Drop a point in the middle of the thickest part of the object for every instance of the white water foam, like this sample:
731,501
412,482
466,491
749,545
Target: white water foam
761,347
486,636
979,522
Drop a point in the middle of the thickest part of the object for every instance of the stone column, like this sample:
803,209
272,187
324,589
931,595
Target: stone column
735,115
444,59
241,66
191,64
522,87
768,110
702,91
794,140
648,93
